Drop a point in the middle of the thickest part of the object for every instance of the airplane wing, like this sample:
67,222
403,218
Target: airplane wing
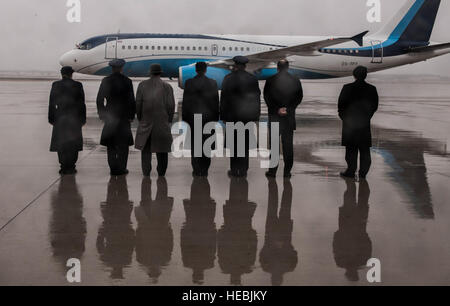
261,60
430,48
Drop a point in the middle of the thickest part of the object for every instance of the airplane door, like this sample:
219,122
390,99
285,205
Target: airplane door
377,51
111,48
214,50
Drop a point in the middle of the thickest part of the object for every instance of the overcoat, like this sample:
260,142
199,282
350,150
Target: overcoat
119,110
283,90
241,101
155,104
200,97
358,103
67,114
241,98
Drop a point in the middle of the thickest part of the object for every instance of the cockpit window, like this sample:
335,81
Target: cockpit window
85,46
92,43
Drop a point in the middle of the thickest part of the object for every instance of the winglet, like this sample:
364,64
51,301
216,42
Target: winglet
359,38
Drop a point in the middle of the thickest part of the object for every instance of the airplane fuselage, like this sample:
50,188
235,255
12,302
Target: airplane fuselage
175,51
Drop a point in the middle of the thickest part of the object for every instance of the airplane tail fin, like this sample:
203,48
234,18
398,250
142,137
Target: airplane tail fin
413,24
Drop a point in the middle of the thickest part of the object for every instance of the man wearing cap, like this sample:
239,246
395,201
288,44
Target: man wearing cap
201,97
67,114
283,93
117,115
155,105
240,102
358,103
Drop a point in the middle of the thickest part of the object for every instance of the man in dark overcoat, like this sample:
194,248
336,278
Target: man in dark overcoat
67,114
240,102
117,115
358,103
201,97
283,93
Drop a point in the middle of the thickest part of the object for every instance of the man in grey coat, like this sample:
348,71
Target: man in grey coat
155,107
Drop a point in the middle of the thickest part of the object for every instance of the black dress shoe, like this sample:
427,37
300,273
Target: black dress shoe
121,172
67,171
270,174
347,175
231,173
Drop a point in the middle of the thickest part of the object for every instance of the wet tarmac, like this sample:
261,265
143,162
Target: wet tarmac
317,229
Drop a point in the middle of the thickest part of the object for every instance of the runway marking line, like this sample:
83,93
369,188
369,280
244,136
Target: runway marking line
42,193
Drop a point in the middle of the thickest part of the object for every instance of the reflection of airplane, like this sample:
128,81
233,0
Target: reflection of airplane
403,152
278,255
199,233
352,246
405,40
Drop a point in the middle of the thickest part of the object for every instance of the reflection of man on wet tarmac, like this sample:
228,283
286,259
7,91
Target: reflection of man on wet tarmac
117,115
67,114
199,234
278,255
283,93
358,103
237,240
154,235
116,237
67,224
351,244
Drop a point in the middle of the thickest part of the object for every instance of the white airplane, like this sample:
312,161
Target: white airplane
405,40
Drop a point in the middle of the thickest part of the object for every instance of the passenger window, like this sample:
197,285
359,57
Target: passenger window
188,48
170,48
199,48
129,47
182,48
153,47
135,47
193,49
165,47
223,49
176,48
147,47
205,48
231,48
123,47
159,47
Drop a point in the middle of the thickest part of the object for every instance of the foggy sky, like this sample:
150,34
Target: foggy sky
35,33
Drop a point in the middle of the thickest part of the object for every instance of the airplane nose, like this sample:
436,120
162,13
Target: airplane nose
68,59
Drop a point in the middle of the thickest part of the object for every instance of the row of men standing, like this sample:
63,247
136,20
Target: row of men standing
240,102
155,107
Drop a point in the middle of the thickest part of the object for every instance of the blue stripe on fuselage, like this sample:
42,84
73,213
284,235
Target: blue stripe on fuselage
170,67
